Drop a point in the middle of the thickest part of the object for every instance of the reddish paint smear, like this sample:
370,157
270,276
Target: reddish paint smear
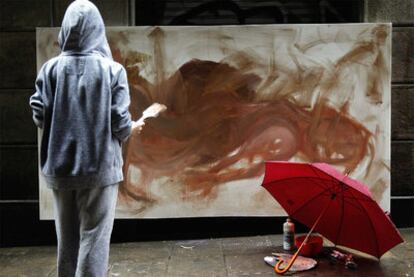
214,121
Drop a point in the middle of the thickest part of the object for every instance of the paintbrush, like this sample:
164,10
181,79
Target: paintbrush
152,111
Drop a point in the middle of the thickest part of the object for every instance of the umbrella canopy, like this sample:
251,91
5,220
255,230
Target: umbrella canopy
346,213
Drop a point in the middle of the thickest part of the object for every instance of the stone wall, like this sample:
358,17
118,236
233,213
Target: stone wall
19,212
19,219
401,14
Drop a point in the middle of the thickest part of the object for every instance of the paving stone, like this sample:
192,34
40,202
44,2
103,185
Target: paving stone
404,250
392,265
172,259
407,234
246,245
139,259
196,258
197,247
248,265
8,255
130,268
141,252
197,266
35,262
275,240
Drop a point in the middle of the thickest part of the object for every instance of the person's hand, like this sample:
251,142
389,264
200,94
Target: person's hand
137,126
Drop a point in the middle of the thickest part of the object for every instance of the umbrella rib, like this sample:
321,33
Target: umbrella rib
370,221
318,171
332,179
309,200
360,199
346,199
338,235
332,182
357,199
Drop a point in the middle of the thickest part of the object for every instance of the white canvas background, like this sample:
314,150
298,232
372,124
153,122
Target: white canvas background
246,197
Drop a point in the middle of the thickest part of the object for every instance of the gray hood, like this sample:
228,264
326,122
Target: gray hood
83,30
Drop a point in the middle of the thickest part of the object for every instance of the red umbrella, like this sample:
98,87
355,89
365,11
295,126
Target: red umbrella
336,206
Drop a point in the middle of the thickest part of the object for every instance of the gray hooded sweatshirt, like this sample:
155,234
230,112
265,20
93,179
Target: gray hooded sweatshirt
81,103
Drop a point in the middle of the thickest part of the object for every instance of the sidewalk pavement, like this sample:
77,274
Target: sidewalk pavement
238,256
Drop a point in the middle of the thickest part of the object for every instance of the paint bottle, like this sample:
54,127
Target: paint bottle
288,235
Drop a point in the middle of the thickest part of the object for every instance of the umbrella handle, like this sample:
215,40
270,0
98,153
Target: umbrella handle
280,270
289,265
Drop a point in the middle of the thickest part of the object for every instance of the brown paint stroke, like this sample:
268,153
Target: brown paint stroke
368,54
218,127
157,38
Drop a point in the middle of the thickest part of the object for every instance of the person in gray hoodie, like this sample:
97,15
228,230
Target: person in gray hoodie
81,103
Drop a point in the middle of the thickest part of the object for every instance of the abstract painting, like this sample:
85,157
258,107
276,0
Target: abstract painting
241,95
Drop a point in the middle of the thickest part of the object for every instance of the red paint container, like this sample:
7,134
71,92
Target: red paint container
312,247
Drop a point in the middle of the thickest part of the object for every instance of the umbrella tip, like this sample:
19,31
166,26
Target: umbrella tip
348,171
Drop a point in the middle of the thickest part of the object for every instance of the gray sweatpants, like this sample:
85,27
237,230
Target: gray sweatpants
84,219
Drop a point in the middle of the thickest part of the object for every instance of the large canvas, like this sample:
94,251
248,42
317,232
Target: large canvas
238,96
